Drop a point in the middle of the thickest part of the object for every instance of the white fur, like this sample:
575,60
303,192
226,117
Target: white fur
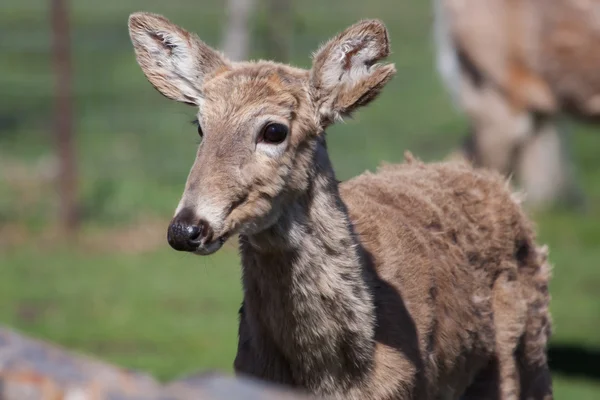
205,208
177,61
333,72
446,56
208,209
272,150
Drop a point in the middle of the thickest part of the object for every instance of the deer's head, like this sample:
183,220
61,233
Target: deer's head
260,122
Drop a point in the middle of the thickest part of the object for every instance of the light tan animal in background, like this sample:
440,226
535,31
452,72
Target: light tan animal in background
415,282
515,67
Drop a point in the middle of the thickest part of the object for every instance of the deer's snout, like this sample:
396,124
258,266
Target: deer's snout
185,234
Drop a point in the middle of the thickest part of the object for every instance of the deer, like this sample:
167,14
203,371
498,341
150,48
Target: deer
516,69
417,281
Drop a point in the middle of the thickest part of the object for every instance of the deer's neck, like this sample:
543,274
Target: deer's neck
306,286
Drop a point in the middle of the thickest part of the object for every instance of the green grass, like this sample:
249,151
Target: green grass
169,313
160,311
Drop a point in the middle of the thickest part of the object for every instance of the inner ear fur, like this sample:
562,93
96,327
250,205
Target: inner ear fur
175,61
346,73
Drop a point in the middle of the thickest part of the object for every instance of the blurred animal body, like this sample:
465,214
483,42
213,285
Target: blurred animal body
415,282
514,67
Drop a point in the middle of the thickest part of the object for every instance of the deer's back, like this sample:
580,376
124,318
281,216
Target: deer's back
439,235
569,60
542,53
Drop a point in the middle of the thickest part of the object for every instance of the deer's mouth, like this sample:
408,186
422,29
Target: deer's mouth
210,247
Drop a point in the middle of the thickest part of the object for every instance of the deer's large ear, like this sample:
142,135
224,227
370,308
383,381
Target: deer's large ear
345,74
174,60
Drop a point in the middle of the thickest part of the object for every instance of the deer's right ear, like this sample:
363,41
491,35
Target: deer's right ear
174,60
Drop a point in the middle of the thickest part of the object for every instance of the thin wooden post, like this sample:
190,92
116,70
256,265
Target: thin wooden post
236,42
63,128
279,27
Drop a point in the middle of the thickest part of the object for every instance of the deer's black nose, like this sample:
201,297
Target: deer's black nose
193,232
185,235
182,236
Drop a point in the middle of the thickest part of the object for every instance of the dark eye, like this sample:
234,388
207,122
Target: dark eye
274,133
197,123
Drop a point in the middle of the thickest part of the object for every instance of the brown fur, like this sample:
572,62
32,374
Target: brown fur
518,65
545,54
416,282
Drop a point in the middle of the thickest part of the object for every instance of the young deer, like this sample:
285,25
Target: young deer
514,67
417,282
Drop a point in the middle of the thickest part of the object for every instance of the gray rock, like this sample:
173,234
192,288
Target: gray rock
34,370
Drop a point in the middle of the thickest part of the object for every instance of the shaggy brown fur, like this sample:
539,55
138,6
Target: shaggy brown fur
514,66
417,282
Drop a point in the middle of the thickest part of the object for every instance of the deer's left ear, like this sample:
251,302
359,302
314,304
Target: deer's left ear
345,74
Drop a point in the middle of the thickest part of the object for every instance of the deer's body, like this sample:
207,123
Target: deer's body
514,67
417,282
330,304
543,55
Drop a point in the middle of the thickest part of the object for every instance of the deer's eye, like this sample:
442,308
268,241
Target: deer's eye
273,133
198,127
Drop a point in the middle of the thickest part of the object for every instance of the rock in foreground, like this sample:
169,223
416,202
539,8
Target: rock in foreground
33,370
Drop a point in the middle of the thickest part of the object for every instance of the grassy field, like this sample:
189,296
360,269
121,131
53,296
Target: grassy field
118,291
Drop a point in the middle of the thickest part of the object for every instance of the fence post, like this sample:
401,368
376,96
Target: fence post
63,128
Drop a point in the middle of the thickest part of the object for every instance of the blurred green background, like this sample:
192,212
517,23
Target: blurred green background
117,290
